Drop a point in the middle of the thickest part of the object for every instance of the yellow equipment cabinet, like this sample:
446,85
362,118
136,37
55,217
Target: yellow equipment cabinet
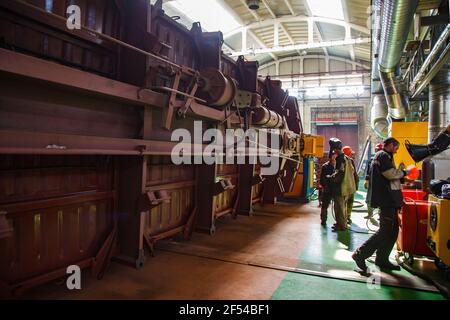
415,133
438,233
313,146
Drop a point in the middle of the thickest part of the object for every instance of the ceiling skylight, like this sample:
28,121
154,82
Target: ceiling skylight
211,14
326,8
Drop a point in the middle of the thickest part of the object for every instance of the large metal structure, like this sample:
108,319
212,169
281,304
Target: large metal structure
86,118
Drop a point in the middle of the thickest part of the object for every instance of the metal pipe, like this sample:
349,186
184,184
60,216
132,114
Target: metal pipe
175,91
439,108
379,109
434,53
376,31
378,115
395,23
443,58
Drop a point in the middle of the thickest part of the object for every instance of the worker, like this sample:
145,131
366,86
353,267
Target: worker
370,210
326,189
384,193
351,155
343,183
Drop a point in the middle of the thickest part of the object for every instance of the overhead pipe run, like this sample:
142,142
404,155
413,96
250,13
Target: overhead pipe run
378,115
379,109
396,20
439,107
437,53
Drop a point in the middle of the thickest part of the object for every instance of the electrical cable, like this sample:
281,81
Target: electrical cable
442,289
369,231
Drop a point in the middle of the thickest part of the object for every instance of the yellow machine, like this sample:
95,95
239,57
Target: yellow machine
438,233
313,146
303,185
415,133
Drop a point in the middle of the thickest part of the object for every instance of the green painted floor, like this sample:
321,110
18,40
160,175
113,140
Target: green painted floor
297,286
334,250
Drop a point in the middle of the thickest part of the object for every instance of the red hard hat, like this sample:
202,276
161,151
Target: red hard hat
379,146
347,151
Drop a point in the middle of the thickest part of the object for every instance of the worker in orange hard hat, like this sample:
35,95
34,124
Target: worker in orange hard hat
347,150
370,210
349,205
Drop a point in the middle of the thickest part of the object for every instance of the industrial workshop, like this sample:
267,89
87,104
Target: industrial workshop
203,150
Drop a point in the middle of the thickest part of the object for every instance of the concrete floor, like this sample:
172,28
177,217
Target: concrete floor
247,258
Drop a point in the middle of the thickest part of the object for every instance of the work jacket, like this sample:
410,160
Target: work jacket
369,162
344,179
385,182
325,174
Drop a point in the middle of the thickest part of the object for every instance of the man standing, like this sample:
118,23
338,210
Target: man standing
343,183
351,155
384,193
326,192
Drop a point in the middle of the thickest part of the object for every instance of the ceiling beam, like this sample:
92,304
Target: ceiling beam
289,5
305,46
316,56
277,24
298,18
315,27
348,31
254,36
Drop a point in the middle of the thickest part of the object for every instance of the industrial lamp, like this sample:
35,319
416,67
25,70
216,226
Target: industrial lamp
439,144
253,4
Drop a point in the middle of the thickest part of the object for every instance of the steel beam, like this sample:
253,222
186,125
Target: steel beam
298,18
47,71
20,142
320,44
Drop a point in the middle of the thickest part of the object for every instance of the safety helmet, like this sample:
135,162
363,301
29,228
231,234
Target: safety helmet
347,151
335,143
378,147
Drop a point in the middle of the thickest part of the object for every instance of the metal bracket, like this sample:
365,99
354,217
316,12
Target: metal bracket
152,199
222,186
257,179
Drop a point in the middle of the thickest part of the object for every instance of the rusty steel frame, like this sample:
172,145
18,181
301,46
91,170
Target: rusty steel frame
138,158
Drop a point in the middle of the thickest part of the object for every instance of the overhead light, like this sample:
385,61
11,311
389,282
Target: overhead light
211,14
253,4
328,9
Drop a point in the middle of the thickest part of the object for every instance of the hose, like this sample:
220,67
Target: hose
369,231
442,289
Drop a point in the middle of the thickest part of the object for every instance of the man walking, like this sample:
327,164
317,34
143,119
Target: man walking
370,210
384,193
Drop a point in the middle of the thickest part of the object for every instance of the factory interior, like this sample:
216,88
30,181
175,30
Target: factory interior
178,150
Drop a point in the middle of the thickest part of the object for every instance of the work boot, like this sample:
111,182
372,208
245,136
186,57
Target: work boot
360,262
387,265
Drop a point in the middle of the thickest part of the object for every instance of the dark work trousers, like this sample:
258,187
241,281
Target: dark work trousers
340,211
326,200
384,239
350,201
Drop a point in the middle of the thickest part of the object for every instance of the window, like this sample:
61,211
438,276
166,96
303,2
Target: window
210,13
326,8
